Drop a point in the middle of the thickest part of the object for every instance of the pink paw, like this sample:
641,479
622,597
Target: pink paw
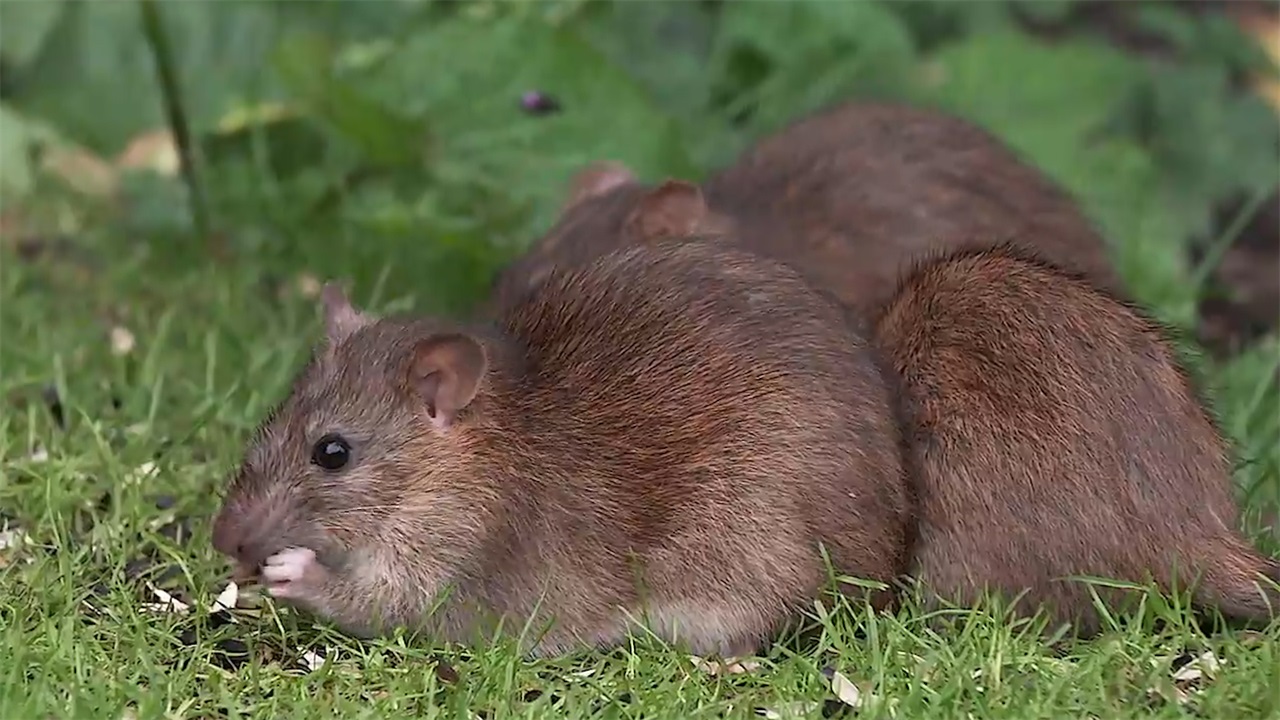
293,574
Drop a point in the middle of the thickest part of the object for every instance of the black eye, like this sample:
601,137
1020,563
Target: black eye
332,452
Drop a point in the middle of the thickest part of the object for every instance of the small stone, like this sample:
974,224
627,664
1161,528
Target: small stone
308,286
122,341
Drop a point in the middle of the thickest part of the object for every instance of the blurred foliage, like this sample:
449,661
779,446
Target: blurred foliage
337,135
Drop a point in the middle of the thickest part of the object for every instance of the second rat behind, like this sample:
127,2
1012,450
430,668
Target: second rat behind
849,196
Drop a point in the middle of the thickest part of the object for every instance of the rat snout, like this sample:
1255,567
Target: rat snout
249,532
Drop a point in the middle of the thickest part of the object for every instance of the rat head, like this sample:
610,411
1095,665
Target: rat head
371,456
608,208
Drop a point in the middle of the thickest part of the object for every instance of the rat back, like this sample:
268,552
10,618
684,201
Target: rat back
1056,436
700,416
866,189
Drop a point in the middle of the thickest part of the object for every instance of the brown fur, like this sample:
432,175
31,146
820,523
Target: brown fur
672,429
1056,435
849,197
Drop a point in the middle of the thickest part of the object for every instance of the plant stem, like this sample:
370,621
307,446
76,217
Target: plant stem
175,113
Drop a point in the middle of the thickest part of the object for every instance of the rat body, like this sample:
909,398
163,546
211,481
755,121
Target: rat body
664,436
1056,435
849,197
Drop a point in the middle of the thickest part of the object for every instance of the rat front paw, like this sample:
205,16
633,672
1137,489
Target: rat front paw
294,574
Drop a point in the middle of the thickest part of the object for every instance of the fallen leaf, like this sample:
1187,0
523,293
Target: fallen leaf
1195,670
83,171
155,151
1187,675
12,538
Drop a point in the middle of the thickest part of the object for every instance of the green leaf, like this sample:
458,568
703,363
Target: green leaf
665,46
24,27
467,75
1055,104
386,138
781,60
19,138
1210,142
1046,11
100,86
96,80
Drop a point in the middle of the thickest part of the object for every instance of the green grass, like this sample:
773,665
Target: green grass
218,343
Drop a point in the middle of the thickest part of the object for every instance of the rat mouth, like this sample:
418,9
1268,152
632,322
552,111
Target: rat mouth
246,574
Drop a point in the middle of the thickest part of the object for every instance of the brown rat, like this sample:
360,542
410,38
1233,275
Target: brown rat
668,431
848,196
1057,435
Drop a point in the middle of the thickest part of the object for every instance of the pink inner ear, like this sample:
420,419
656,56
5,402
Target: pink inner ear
341,317
673,209
429,389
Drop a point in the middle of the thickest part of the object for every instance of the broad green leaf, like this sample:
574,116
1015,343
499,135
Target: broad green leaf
385,137
664,45
780,60
24,27
933,23
1054,104
19,137
1210,142
1046,11
97,81
100,85
467,76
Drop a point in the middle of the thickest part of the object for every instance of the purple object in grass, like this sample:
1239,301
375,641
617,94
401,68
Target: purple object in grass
536,102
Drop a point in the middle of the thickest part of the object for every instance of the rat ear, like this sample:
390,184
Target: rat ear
675,208
597,179
341,319
445,372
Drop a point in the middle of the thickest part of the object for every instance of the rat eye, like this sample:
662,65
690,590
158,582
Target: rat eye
332,452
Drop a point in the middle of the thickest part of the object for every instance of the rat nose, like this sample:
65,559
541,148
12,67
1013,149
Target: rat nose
241,535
